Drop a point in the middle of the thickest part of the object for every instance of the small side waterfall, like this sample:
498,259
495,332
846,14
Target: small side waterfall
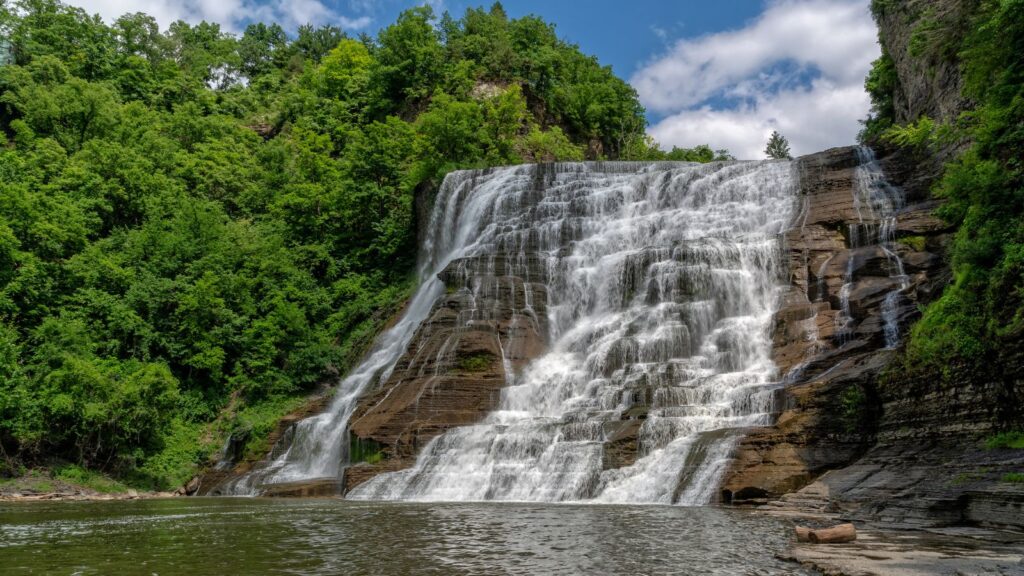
883,202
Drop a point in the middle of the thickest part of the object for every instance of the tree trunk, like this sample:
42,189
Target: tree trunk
834,535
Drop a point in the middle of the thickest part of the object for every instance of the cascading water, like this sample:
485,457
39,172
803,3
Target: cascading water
884,201
316,445
662,281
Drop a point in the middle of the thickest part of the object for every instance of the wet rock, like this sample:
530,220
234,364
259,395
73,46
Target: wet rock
621,448
886,447
317,487
921,221
829,412
455,367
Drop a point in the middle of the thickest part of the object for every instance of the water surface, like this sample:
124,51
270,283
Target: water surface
262,536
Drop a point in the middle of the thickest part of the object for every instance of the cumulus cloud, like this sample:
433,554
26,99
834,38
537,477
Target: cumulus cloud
232,15
798,68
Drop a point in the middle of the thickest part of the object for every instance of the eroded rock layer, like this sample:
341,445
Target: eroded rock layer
604,340
454,369
848,286
882,446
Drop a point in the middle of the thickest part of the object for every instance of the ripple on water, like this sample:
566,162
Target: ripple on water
258,536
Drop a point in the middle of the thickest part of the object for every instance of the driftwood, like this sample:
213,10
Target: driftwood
834,535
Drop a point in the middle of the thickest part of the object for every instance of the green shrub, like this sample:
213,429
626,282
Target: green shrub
73,474
915,242
258,420
881,85
184,447
475,362
365,450
1014,440
853,407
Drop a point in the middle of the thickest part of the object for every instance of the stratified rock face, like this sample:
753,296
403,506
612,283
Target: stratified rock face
930,84
884,446
488,325
858,270
602,336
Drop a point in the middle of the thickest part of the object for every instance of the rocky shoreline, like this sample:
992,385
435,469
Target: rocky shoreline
83,495
879,552
48,485
889,550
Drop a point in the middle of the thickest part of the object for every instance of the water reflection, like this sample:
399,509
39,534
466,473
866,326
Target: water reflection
256,536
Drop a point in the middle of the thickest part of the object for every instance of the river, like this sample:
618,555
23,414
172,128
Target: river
214,536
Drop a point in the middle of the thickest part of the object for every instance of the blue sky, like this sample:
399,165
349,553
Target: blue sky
725,73
622,34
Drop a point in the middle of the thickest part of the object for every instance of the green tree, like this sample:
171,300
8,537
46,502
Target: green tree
409,57
261,49
313,43
777,147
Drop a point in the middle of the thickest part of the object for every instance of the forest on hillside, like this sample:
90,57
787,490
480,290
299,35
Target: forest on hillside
199,229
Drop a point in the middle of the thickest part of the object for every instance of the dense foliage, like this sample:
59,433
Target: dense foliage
197,229
978,322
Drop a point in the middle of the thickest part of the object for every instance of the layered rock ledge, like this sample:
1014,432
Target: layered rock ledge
458,361
884,447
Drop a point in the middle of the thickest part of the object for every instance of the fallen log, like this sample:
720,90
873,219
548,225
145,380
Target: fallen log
834,535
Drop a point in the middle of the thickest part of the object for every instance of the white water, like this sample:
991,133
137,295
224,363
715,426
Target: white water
662,283
884,201
877,202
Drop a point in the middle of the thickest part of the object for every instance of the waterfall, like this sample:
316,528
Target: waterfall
662,280
883,201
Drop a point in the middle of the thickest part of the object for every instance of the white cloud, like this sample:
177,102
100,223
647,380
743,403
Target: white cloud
834,38
232,15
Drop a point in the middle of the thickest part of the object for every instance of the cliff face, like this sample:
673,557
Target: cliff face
829,340
454,368
884,445
930,83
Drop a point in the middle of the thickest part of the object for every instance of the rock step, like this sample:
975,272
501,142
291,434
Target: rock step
303,489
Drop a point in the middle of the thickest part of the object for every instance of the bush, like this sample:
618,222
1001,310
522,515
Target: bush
79,476
1014,440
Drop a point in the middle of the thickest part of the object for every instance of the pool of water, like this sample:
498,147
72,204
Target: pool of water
199,536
